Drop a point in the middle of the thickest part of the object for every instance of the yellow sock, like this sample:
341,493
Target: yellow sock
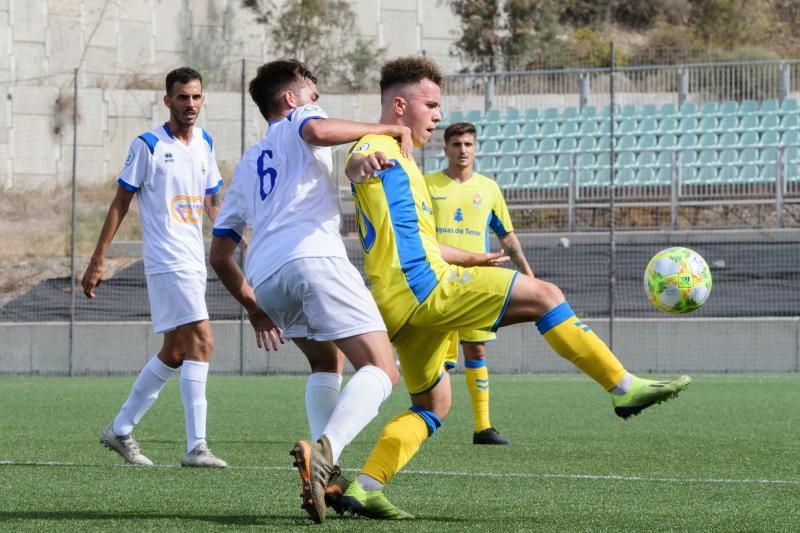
574,341
399,441
477,376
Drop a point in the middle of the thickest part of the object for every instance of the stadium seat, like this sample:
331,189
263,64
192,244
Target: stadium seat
707,157
603,160
486,164
492,131
527,146
667,110
545,162
512,114
648,125
626,159
769,155
729,156
664,159
688,109
709,107
489,147
646,159
570,113
750,173
791,154
475,116
688,140
505,178
768,173
687,125
707,174
602,177
627,127
769,107
667,141
770,137
564,162
603,143
526,178
789,122
624,176
562,179
749,123
728,123
729,138
687,158
748,138
532,114
628,111
645,176
493,115
749,156
544,178
567,144
648,110
584,160
626,142
586,144
667,125
585,177
507,162
748,107
708,139
728,174
588,127
511,130
588,112
770,122
789,106
708,124
792,171
569,129
664,176
526,162
647,141
548,144
550,114
549,129
529,130
508,146
728,107
455,116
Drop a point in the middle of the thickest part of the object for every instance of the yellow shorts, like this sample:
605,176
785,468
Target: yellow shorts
465,299
467,336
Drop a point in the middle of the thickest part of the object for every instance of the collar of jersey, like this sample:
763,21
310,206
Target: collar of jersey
171,136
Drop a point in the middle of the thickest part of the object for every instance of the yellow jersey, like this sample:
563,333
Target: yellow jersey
398,233
466,211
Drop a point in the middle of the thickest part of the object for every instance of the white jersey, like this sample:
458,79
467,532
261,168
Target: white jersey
282,188
171,180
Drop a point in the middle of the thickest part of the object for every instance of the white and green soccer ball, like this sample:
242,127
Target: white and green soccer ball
677,280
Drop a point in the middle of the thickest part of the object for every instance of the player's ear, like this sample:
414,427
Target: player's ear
166,100
399,105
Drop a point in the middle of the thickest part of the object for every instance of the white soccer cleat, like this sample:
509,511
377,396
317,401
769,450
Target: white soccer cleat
125,445
201,457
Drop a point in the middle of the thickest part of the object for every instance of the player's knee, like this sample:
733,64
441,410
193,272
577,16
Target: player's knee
431,418
204,344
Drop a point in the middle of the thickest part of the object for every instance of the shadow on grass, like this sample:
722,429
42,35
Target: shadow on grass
238,520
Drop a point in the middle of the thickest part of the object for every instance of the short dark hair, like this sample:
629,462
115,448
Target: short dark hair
272,79
459,128
182,75
408,70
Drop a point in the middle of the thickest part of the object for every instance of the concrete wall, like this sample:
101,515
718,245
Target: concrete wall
672,345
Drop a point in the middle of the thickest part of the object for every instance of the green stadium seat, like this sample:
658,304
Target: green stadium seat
728,174
708,139
688,140
748,138
626,159
645,176
707,157
728,138
603,160
585,177
790,137
770,137
646,159
489,147
508,146
647,141
791,154
648,110
648,125
627,127
564,162
748,107
531,114
493,115
486,164
688,109
664,159
664,176
768,173
563,178
505,178
546,161
667,141
708,123
624,176
668,110
549,129
789,106
606,112
570,113
707,174
749,123
667,125
588,127
492,131
512,114
511,129
588,112
605,128
603,143
749,156
770,106
475,116
790,122
586,144
455,116
687,158
526,178
526,162
626,142
729,122
527,146
602,177
769,155
432,164
548,144
792,171
507,162
569,129
770,122
709,107
529,130
750,173
729,156
728,107
551,113
687,125
584,160
567,144
544,179
628,111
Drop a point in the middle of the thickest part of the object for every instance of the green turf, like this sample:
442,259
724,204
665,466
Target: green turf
696,463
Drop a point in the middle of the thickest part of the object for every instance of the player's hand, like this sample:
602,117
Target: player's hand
494,258
406,142
267,332
93,277
365,167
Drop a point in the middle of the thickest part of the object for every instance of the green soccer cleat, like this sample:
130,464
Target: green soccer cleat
315,466
644,393
371,504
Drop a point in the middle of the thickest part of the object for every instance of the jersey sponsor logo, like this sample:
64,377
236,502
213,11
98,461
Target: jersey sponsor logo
459,231
476,199
459,215
129,160
187,209
438,198
361,147
168,158
426,209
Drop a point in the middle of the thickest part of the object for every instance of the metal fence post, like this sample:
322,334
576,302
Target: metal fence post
612,266
785,83
683,86
584,88
488,98
73,222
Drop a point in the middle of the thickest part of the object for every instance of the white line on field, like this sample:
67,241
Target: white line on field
522,475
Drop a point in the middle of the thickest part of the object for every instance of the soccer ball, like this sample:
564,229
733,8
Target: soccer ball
677,280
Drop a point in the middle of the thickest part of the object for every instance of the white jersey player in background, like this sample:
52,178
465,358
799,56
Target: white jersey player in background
173,172
305,288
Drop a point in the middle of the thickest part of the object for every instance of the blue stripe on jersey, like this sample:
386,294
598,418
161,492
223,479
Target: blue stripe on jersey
227,232
208,139
419,275
480,363
150,140
215,188
166,128
300,129
127,186
431,420
496,324
554,317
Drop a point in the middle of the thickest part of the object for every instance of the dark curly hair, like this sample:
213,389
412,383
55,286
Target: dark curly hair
272,79
182,75
459,128
408,70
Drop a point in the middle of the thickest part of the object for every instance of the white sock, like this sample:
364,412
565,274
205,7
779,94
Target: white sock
143,393
369,483
322,394
623,386
358,405
194,375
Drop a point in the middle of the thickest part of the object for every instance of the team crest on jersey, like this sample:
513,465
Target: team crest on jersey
426,209
130,157
361,147
188,209
476,199
168,158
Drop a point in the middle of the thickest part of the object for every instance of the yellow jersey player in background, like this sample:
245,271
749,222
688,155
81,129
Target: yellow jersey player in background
467,206
424,297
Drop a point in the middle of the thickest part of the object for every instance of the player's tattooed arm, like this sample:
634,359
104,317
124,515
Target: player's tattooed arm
513,248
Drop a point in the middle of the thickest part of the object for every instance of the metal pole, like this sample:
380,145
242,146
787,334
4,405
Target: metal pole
241,253
73,222
612,272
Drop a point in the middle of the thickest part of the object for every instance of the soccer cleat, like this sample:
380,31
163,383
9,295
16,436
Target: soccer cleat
125,445
371,504
489,436
337,485
201,457
314,463
644,393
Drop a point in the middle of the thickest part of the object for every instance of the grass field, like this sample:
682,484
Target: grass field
725,456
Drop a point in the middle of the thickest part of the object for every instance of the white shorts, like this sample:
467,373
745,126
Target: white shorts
319,298
176,298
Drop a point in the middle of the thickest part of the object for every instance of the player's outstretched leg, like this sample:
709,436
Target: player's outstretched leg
642,393
371,504
489,436
314,462
124,445
337,485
